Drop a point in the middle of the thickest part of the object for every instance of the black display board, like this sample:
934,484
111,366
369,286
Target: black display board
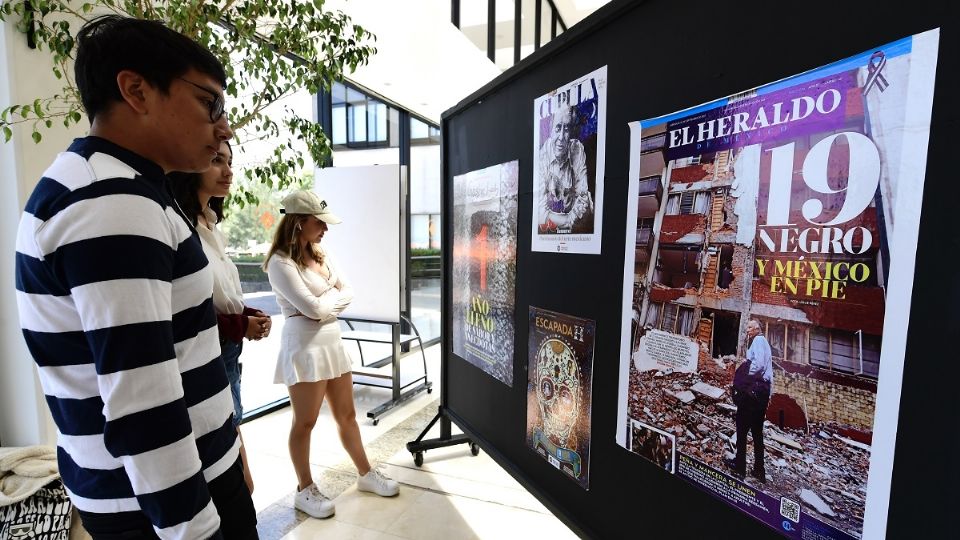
663,56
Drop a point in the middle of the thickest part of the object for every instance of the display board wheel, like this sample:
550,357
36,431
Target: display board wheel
418,459
430,390
474,448
376,421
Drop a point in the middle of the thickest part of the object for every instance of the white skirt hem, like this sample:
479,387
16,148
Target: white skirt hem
310,351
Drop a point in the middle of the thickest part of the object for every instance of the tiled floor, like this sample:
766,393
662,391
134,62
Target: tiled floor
453,495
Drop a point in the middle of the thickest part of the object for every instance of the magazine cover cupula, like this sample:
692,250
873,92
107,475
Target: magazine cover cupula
769,260
569,142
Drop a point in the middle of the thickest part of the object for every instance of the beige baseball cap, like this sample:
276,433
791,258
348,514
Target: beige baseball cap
308,202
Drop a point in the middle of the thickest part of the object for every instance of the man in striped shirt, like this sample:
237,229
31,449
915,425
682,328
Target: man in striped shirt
115,300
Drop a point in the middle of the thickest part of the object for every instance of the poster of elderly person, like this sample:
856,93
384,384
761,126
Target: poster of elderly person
568,160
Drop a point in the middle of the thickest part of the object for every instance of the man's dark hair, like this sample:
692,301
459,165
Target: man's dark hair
110,44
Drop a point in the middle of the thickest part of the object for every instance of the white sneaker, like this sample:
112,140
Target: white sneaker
310,501
376,482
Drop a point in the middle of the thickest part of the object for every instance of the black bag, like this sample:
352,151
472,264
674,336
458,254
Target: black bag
746,385
45,515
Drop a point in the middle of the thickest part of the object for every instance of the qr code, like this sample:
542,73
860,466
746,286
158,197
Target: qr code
790,509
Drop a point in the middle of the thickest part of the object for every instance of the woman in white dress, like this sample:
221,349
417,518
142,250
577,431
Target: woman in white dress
312,362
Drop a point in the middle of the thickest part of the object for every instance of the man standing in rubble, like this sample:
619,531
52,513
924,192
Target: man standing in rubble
751,394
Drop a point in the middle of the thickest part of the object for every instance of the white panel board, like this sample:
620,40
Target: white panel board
367,244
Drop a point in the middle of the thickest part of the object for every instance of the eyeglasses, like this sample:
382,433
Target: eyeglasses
216,106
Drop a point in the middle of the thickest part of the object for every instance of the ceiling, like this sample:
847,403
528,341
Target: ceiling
474,16
423,62
426,64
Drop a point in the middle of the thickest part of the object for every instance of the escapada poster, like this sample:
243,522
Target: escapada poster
484,267
559,391
569,140
767,291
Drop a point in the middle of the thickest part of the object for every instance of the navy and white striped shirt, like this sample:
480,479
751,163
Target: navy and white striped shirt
115,304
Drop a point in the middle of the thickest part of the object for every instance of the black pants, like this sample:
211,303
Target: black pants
751,413
238,518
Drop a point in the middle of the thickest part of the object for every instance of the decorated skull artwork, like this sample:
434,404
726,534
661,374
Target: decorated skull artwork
558,389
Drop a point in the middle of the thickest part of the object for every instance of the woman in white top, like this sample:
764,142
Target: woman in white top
311,292
200,196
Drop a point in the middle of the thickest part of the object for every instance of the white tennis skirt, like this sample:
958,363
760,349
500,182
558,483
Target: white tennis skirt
310,351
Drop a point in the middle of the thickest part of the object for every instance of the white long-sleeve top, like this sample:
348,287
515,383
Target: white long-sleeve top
227,294
761,359
302,291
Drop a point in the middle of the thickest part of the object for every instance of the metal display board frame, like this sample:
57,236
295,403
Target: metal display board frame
664,56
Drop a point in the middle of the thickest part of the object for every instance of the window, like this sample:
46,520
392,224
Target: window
422,133
849,352
365,129
361,121
796,344
339,124
420,231
356,116
653,314
688,202
701,202
338,101
425,208
673,205
789,341
672,318
644,232
724,267
678,267
653,179
685,321
777,337
686,162
377,122
425,231
653,143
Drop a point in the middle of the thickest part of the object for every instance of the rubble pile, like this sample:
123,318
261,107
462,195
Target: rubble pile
823,470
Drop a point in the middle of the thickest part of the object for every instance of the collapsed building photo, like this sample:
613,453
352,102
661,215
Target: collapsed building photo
696,284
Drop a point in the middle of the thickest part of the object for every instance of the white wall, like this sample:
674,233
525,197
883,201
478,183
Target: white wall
363,158
24,75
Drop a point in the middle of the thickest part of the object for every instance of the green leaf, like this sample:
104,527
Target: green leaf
255,53
36,137
7,134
